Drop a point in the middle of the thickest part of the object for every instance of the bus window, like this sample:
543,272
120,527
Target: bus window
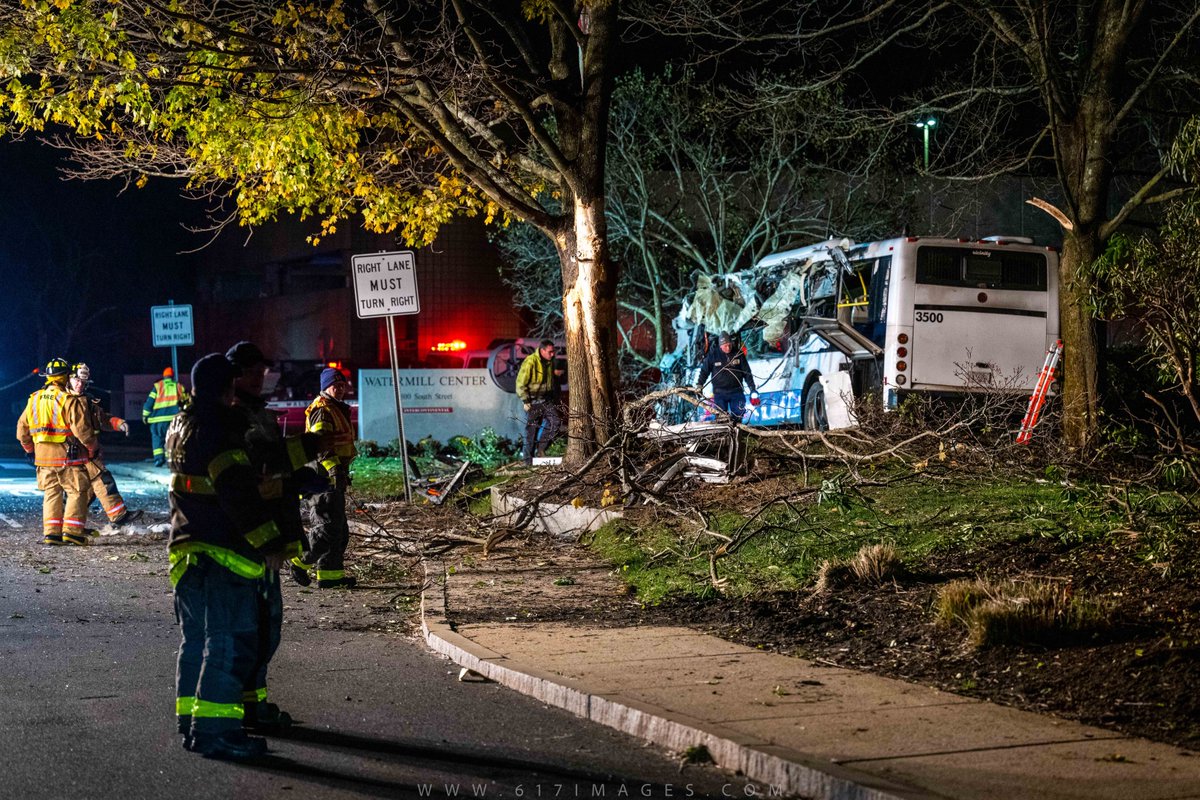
981,269
864,298
854,304
982,272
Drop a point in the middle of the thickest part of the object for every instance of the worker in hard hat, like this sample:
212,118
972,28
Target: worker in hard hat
164,401
56,435
729,369
103,484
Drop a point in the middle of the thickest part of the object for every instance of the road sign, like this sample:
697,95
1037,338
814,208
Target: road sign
385,284
172,325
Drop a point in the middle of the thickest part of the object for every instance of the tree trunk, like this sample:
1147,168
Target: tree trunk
590,322
1080,392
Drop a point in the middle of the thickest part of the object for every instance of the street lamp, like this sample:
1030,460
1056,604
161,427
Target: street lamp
925,125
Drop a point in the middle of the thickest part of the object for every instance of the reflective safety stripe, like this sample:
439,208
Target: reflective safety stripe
184,706
299,563
293,550
258,695
321,427
184,554
329,464
207,710
192,484
61,462
151,419
262,534
295,450
330,574
223,461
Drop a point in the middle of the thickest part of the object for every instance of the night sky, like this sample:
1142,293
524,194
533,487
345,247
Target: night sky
70,248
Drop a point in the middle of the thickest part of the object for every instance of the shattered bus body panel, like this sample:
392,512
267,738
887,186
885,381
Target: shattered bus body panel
898,316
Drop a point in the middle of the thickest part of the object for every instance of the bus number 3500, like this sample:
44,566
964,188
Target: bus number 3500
927,316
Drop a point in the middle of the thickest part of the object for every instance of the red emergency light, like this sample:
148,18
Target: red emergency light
449,347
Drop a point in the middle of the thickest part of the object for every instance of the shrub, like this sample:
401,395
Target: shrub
1035,612
872,565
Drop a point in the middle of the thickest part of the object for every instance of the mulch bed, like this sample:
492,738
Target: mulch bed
1138,677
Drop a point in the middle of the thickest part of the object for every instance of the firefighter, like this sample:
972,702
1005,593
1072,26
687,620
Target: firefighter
281,467
163,403
55,433
223,540
325,511
103,484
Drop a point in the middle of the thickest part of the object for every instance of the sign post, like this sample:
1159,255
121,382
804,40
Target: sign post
385,285
171,326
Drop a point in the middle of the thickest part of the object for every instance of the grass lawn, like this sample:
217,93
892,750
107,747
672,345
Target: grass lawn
782,547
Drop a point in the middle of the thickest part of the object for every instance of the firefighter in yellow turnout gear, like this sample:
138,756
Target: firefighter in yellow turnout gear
55,432
165,400
325,512
103,484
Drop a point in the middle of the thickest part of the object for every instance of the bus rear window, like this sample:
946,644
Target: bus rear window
981,269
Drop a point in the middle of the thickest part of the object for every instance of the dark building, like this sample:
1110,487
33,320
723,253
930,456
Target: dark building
296,300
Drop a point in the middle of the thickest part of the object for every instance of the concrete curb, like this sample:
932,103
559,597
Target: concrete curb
783,769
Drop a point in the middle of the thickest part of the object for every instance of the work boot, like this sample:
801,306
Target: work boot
347,582
183,725
128,517
232,745
75,537
265,717
53,539
300,575
160,462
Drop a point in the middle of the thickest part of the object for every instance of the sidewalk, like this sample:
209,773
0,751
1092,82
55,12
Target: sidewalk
793,726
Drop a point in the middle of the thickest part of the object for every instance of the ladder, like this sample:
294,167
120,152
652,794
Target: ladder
1038,398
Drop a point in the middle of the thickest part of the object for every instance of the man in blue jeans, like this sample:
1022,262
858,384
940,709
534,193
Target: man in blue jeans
727,365
223,541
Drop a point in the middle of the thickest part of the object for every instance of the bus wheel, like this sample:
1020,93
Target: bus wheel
814,408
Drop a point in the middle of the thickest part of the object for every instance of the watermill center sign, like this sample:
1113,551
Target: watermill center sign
385,284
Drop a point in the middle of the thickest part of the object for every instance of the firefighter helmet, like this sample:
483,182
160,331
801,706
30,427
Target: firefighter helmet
56,368
81,371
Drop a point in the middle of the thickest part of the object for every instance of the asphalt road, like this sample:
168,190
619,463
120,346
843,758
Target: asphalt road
87,654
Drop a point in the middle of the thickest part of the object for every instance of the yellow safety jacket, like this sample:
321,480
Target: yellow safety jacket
536,379
326,415
164,401
55,428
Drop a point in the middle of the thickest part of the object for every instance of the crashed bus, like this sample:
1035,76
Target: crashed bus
834,322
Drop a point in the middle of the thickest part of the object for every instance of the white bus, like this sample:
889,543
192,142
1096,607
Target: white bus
887,318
